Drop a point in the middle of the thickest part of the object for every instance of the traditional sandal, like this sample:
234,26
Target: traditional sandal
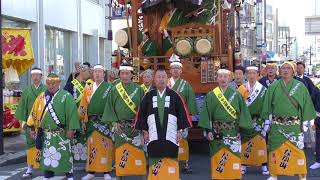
26,175
266,172
187,170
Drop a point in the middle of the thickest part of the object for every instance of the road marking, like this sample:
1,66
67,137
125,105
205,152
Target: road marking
8,174
4,177
54,178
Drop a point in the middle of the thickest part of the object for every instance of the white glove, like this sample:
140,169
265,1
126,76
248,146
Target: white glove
266,127
24,125
185,133
306,125
137,141
311,123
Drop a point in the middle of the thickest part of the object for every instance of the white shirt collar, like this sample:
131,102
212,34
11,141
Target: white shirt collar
172,82
95,85
301,76
37,86
161,94
251,88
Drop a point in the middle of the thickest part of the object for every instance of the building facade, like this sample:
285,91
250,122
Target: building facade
63,32
247,29
312,32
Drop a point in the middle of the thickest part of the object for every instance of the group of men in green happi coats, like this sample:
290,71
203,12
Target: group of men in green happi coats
237,122
128,127
92,121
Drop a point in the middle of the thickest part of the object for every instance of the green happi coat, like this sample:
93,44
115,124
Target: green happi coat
149,48
79,142
117,111
214,112
255,109
278,104
28,97
96,107
56,148
185,90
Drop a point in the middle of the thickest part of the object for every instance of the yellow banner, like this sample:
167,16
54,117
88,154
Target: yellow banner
225,103
17,49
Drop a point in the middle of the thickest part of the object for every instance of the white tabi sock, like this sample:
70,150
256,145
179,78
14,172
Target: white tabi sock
30,169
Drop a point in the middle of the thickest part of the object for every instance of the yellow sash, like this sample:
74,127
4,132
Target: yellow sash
144,87
79,87
225,103
89,82
125,97
318,85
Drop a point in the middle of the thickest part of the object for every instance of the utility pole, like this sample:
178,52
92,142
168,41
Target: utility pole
310,54
286,45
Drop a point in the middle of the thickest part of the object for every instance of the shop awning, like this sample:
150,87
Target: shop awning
17,49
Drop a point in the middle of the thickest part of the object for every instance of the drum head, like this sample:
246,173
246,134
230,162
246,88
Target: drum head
121,37
183,47
203,46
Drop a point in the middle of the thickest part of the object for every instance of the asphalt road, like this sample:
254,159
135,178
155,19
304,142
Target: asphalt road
200,162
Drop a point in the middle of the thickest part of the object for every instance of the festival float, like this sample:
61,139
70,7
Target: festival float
17,57
201,32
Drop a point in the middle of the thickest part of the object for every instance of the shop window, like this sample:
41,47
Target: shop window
86,48
57,52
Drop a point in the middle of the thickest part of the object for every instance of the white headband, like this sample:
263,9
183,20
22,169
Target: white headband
148,71
98,67
223,71
126,68
252,68
36,71
176,64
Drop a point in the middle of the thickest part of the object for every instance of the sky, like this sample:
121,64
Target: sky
292,13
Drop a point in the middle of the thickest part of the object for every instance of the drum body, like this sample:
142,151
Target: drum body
122,37
183,46
203,45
